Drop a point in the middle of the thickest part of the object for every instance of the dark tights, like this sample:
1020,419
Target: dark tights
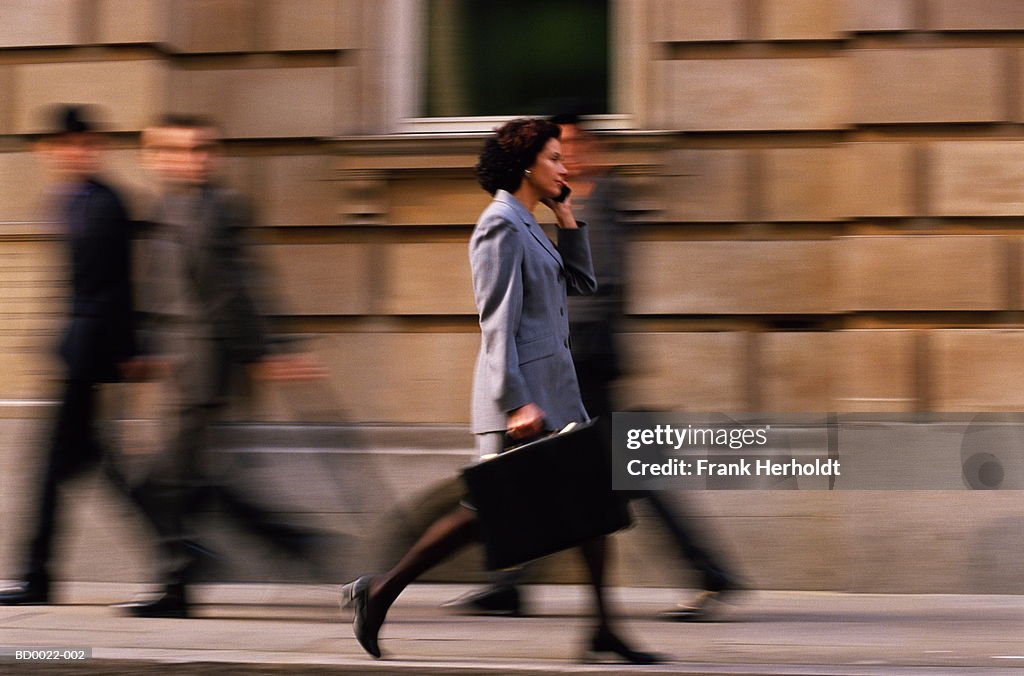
445,537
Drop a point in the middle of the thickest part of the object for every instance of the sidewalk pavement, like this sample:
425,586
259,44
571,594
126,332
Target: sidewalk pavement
296,629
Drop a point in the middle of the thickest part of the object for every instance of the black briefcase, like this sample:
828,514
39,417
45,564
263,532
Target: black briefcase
545,496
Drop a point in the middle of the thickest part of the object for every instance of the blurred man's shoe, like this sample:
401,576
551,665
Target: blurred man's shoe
171,603
718,585
699,610
721,581
28,593
606,645
500,600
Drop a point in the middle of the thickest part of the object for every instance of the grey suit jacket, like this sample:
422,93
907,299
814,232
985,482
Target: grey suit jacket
520,283
201,288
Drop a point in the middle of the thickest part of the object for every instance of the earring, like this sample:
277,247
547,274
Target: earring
528,172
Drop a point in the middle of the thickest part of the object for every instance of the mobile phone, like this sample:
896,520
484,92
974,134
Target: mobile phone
564,195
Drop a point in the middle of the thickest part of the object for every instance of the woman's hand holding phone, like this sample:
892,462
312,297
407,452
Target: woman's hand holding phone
562,208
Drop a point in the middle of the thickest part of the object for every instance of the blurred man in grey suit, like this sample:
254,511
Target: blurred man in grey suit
200,290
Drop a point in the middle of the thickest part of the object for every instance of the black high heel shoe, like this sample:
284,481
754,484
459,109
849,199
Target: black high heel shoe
357,594
605,642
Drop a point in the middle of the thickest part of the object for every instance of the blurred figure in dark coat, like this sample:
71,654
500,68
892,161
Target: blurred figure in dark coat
98,344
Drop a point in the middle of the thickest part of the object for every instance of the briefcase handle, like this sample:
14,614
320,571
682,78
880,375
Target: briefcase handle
568,428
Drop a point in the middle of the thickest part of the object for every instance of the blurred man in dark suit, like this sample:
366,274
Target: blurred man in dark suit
98,344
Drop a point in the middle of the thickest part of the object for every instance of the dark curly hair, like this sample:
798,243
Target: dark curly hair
512,150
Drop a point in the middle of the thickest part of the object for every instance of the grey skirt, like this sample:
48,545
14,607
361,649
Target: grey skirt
488,443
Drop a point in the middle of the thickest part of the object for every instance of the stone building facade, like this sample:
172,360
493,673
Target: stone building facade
827,215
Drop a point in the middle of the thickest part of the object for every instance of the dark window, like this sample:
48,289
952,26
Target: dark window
511,57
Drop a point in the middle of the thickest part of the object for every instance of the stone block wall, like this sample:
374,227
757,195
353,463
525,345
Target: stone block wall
826,209
798,167
840,190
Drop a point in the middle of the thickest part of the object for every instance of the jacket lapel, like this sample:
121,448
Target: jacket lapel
539,235
531,224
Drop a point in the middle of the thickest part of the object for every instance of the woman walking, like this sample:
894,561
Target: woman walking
524,382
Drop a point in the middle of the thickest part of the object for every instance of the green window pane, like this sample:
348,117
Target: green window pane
496,57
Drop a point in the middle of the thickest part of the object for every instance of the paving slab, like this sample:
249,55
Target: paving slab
275,628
